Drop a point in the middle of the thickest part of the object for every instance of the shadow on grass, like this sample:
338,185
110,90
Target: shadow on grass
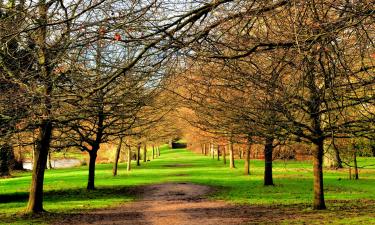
72,194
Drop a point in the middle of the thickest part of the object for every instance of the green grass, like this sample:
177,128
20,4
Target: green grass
65,188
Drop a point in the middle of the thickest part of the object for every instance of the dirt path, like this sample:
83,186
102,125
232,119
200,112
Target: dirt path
177,204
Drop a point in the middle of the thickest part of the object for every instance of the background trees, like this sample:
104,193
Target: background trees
83,73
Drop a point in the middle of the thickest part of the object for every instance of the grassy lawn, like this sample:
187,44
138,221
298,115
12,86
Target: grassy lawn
349,201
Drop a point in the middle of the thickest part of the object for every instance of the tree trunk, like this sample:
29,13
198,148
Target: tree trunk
117,157
144,153
338,161
43,141
356,177
319,202
247,159
158,151
49,160
4,159
138,154
91,181
224,155
128,167
240,153
218,153
205,149
231,156
212,151
268,149
153,152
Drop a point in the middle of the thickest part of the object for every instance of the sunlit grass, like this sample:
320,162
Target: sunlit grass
65,188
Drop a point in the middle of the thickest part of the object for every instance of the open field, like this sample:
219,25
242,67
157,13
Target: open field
348,201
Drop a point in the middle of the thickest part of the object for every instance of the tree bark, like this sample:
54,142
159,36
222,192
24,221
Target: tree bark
153,151
158,151
205,149
4,159
224,155
144,153
35,203
247,159
240,153
128,166
91,181
49,160
138,154
218,153
338,159
43,141
268,149
319,202
356,176
117,157
231,156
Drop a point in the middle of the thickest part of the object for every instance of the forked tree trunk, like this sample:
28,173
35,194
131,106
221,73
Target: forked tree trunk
145,153
43,141
129,165
224,155
117,157
268,149
91,182
247,159
231,156
138,154
319,202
